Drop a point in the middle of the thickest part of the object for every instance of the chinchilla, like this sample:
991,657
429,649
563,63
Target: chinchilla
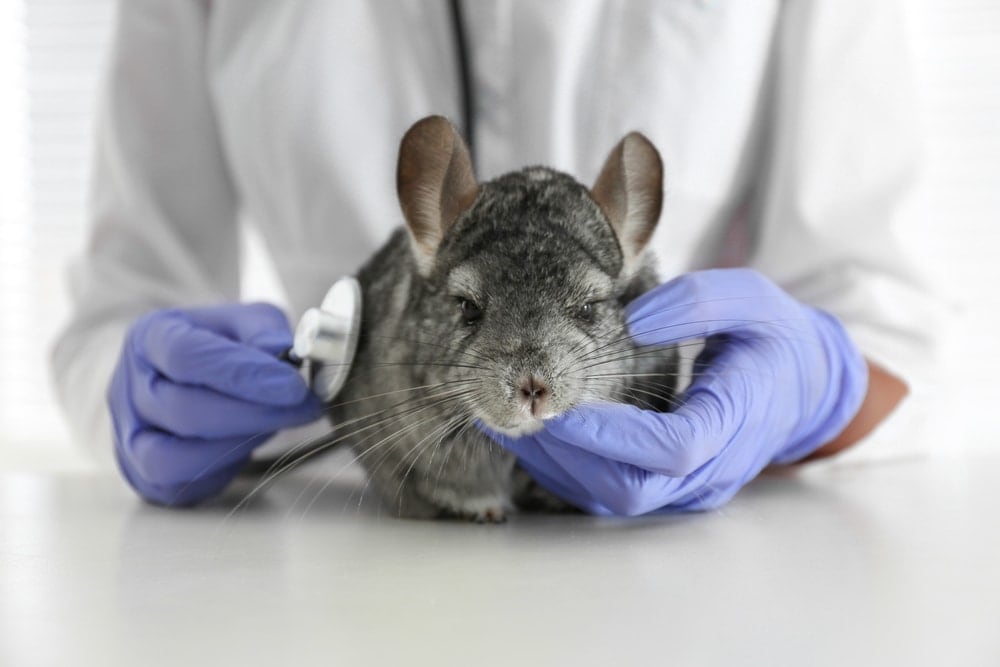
497,305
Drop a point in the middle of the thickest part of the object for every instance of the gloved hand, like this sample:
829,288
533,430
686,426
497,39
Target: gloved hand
195,391
776,380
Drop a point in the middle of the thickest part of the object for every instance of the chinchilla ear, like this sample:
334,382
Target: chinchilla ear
435,184
629,190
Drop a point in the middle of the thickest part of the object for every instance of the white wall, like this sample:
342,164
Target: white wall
50,57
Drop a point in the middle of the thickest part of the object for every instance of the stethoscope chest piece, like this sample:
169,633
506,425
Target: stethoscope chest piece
326,338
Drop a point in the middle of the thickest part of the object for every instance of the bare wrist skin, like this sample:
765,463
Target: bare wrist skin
885,391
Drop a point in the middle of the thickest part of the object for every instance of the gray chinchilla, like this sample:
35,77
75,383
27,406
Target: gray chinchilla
500,304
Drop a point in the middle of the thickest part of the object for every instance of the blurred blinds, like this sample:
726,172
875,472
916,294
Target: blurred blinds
50,64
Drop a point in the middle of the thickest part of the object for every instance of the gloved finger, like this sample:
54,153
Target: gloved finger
673,444
124,420
181,494
260,325
565,487
592,483
621,488
606,487
198,412
533,457
191,355
731,366
713,347
166,460
706,303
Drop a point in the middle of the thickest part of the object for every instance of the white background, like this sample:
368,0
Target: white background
51,55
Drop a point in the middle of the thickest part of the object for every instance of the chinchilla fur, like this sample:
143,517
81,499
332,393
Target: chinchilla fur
498,305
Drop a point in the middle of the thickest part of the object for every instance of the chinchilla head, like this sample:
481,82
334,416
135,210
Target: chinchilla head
521,282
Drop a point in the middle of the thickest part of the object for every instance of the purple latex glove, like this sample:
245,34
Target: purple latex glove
195,391
777,380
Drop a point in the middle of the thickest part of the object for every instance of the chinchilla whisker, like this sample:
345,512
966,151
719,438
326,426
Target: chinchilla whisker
409,399
622,344
623,337
324,443
702,493
432,440
622,375
394,417
417,405
420,404
435,434
698,369
444,463
586,341
212,464
382,424
339,432
459,434
617,356
433,385
587,364
372,469
665,397
640,402
384,444
399,432
650,350
626,346
380,427
368,450
735,324
628,338
395,364
620,355
678,306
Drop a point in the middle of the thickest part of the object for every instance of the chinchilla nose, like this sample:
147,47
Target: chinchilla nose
534,394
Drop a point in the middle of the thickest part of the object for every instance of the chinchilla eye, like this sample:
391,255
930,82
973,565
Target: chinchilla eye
586,312
470,311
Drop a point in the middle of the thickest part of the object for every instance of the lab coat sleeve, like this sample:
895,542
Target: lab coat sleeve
163,224
842,154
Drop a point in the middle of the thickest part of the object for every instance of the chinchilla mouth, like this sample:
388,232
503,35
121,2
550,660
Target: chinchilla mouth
517,430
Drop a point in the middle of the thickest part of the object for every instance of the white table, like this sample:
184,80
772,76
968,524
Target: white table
891,564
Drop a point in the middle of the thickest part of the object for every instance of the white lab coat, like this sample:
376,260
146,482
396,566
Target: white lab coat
787,130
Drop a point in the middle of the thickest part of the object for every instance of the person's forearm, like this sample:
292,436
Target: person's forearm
885,391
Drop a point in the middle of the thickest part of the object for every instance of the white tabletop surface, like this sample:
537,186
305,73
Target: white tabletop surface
888,564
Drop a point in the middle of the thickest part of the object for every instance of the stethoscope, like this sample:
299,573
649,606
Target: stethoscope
326,338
